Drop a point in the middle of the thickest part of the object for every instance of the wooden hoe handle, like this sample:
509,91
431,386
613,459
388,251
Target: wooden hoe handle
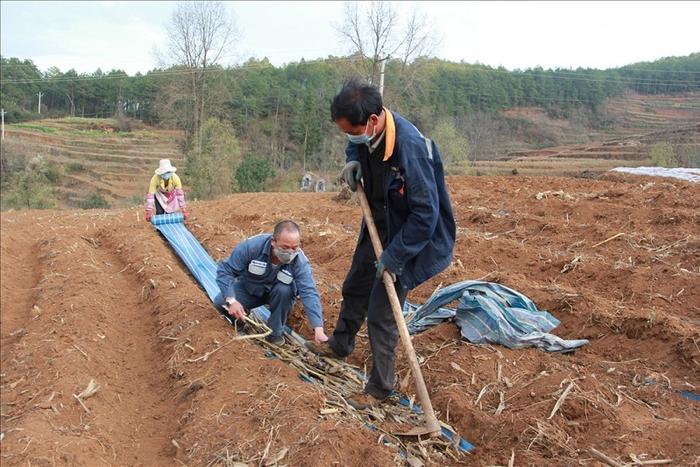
432,423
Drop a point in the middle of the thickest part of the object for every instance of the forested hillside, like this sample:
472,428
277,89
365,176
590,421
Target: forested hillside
259,127
282,112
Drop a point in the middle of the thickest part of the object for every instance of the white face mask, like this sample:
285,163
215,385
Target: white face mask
285,256
363,138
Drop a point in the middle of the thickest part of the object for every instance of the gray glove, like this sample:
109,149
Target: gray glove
381,267
352,173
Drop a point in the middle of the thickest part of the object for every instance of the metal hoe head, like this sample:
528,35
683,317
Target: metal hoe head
433,430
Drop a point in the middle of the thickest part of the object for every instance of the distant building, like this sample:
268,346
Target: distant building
306,182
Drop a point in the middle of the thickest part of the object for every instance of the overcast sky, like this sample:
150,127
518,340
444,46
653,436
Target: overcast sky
125,35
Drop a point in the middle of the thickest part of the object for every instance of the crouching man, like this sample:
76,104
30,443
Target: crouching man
270,269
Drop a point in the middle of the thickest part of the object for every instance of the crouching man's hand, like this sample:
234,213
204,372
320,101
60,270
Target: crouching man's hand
235,308
319,335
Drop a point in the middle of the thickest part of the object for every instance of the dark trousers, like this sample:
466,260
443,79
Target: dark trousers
364,297
281,300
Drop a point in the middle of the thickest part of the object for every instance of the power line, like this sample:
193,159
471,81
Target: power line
554,74
631,68
577,76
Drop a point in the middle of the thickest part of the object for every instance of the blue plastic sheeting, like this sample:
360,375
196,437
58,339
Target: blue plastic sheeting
190,251
203,268
174,218
429,316
490,313
693,396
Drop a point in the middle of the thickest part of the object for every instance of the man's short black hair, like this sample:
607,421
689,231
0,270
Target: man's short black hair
356,102
286,225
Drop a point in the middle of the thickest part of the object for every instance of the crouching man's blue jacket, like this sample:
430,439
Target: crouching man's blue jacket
419,220
250,263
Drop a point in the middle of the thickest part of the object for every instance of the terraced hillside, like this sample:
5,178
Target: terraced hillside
95,157
634,114
635,124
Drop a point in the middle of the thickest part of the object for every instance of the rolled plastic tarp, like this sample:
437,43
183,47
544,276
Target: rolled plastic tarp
173,218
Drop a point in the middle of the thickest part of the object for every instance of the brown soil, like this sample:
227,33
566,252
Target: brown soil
98,295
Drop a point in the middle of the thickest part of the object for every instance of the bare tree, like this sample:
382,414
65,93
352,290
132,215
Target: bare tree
420,38
375,33
199,35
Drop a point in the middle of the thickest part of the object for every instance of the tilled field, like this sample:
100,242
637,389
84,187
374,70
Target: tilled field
99,296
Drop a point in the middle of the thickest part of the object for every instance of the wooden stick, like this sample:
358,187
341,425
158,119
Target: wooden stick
561,400
81,403
432,423
81,351
607,240
603,458
237,338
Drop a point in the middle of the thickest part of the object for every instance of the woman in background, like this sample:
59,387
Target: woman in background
165,193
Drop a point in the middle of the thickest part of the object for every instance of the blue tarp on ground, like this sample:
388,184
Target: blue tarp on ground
490,313
190,251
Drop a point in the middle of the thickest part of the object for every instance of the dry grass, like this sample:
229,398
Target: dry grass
339,380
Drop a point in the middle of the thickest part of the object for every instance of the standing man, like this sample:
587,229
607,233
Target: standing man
270,269
403,179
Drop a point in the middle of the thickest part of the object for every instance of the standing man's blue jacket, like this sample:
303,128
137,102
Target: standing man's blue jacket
257,249
420,223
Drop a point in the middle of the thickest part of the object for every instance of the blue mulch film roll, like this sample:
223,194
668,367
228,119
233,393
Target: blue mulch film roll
174,218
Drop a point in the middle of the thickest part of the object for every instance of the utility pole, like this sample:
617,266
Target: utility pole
381,77
2,112
39,107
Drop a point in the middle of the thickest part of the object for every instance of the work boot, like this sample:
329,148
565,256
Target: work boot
275,340
363,400
322,350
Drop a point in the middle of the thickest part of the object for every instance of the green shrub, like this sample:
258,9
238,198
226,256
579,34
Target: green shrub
287,181
689,156
127,124
31,188
94,201
136,200
662,155
34,126
209,172
453,146
52,173
74,167
253,172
